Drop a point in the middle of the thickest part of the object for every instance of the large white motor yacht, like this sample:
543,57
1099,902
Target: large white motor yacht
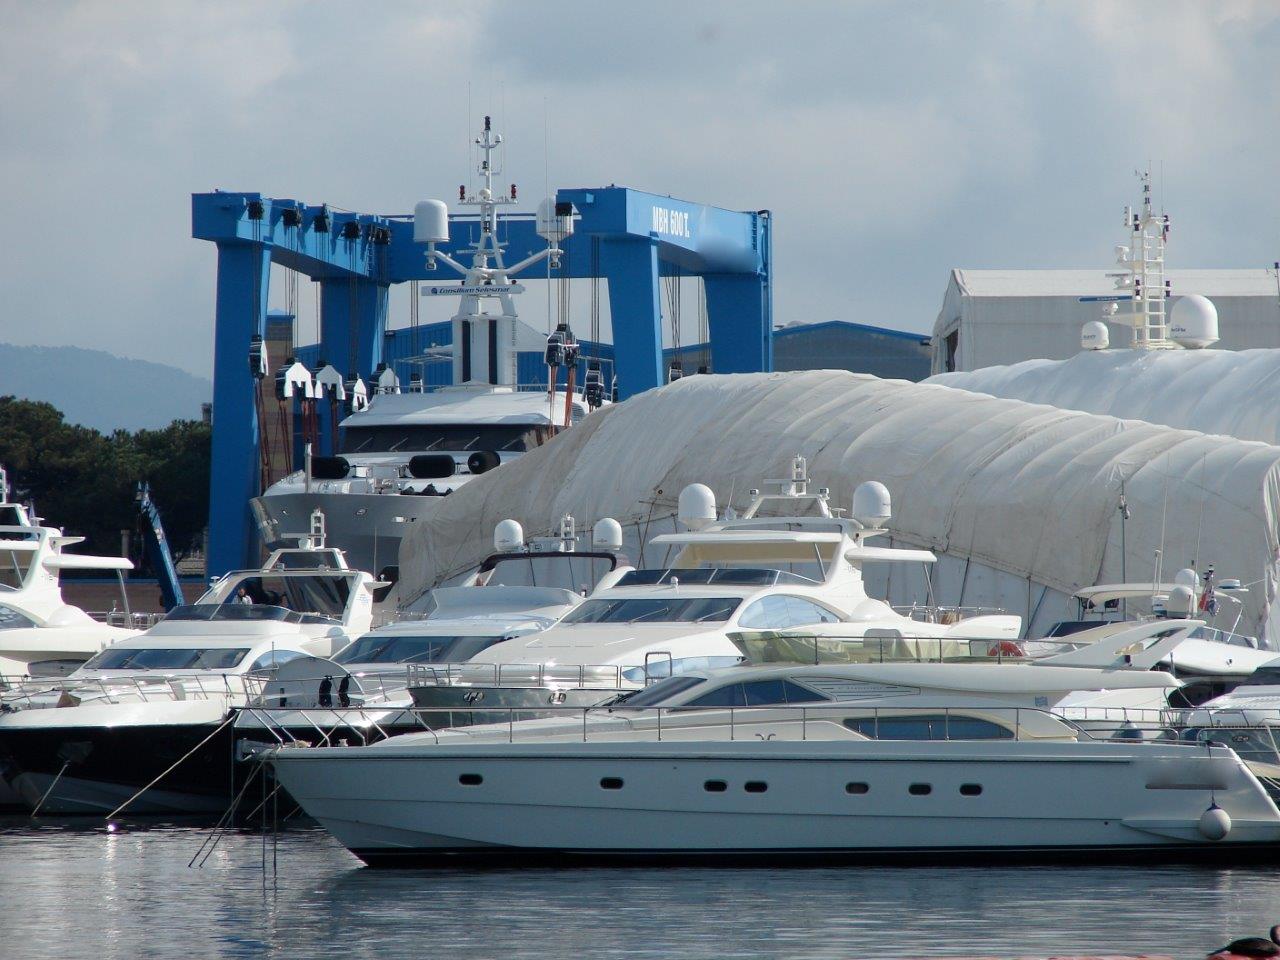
797,760
789,561
361,693
151,715
405,450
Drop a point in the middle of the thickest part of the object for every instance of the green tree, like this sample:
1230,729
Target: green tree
84,482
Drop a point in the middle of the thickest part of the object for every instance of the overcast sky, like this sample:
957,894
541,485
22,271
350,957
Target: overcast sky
893,141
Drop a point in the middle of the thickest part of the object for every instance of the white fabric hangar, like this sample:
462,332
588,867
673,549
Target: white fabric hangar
1236,393
991,317
1022,500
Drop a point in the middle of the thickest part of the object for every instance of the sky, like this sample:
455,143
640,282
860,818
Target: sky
892,141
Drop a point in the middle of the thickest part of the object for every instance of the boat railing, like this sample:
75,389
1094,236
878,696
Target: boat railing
795,645
322,690
616,722
127,620
604,676
26,693
945,613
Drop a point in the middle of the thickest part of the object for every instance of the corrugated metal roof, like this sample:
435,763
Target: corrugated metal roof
1075,283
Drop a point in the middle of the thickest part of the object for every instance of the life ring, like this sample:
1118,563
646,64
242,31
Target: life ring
1005,648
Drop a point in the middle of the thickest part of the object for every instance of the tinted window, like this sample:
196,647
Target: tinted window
375,648
731,695
416,438
779,612
655,610
186,658
660,691
11,619
757,693
932,727
1267,675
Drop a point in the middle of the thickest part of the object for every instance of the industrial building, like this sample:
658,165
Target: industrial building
992,317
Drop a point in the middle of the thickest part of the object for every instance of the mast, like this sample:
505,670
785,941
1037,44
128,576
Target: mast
1143,277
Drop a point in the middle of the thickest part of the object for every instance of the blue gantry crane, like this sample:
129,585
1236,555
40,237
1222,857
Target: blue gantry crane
156,546
631,238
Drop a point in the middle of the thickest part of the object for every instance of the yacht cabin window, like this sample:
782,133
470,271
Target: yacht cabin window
659,692
376,648
779,612
928,727
1267,675
314,594
11,619
163,658
654,610
738,576
423,437
14,565
757,693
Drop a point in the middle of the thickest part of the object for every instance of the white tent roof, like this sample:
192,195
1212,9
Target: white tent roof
1029,490
1232,392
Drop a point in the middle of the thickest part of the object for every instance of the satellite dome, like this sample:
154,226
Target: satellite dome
607,534
872,506
1193,322
508,536
1181,602
697,506
1094,336
1186,577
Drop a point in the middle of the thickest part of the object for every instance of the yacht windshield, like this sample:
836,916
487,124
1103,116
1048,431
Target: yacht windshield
163,658
14,565
323,595
11,619
373,648
655,610
1267,675
738,576
231,611
414,438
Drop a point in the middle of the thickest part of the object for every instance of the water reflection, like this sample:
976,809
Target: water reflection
77,891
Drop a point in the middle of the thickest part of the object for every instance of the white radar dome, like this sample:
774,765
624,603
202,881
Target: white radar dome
1186,577
607,534
1181,602
1094,336
697,506
1193,322
555,221
508,536
430,222
872,506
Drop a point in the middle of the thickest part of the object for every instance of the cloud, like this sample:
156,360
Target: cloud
892,140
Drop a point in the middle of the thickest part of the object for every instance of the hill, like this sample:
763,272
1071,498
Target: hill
100,390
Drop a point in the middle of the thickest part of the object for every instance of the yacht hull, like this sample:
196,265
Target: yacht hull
364,525
92,770
395,805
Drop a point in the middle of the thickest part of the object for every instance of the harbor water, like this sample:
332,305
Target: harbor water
75,889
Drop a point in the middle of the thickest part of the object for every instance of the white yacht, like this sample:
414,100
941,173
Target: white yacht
874,761
789,561
41,635
360,694
405,450
1216,656
151,715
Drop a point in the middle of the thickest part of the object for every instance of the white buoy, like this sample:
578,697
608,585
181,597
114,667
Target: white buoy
696,508
607,535
872,506
1215,823
508,536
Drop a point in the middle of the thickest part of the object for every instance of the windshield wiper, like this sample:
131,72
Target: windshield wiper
645,616
467,445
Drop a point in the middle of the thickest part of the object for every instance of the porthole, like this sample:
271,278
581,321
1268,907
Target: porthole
611,783
755,786
715,786
970,789
856,788
920,789
471,779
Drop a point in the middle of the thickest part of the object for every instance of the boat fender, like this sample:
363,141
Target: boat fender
432,466
1247,947
1215,823
482,461
1006,648
329,468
